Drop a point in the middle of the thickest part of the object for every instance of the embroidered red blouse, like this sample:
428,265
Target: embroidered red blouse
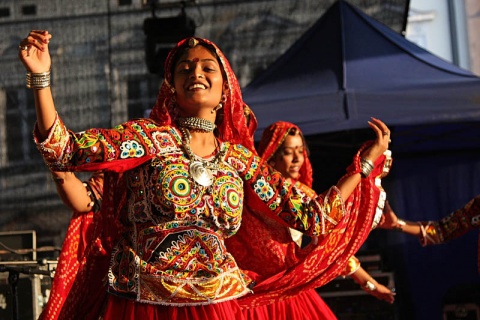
169,248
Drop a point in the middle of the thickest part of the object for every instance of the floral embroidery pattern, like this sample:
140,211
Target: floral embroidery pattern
169,221
131,149
164,141
263,189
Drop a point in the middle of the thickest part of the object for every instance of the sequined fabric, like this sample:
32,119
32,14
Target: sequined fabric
452,226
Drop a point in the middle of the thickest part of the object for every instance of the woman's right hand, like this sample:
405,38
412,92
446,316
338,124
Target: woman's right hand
33,51
380,144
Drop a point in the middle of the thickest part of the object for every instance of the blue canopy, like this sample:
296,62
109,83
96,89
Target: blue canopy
349,67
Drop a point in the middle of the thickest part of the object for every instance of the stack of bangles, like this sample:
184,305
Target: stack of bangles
366,167
38,80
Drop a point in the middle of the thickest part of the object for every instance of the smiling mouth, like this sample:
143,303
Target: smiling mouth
197,86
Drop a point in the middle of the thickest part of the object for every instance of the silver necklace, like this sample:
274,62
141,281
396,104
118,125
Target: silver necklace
196,123
200,169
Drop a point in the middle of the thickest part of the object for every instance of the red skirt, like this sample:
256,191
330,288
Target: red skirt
119,308
307,305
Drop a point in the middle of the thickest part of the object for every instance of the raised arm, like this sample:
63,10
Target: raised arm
369,156
35,57
267,190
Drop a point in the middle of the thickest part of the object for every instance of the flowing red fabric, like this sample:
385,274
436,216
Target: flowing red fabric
284,252
281,269
306,305
79,286
118,308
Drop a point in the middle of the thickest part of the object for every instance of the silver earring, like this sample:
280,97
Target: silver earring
218,107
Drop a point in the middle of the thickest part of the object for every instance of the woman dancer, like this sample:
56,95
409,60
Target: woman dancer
268,248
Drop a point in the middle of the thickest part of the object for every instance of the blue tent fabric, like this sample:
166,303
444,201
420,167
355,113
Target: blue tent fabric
349,67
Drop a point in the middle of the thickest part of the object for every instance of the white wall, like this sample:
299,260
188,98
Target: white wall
440,27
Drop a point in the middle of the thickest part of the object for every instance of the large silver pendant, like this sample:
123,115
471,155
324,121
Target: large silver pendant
203,176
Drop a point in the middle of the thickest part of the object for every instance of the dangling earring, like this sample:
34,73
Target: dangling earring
220,105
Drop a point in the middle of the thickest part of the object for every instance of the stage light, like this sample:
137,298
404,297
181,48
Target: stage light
161,35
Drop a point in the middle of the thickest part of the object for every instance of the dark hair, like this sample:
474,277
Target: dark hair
295,131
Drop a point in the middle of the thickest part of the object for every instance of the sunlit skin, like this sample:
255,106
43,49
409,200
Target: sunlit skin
289,157
198,82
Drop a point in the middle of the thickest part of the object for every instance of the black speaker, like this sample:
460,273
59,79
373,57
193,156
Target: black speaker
28,294
32,281
462,302
461,311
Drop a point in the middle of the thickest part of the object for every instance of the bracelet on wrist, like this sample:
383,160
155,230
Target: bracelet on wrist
366,166
399,225
38,80
369,286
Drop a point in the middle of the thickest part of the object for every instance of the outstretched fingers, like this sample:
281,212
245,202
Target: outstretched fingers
380,129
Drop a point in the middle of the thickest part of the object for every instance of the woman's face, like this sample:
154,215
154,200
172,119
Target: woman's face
198,81
289,157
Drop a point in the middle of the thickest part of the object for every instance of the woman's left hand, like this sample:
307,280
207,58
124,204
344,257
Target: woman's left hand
383,293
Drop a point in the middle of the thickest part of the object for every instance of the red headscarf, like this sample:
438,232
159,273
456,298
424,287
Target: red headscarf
235,122
273,138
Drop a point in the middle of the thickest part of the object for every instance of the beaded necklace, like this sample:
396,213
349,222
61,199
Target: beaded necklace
197,123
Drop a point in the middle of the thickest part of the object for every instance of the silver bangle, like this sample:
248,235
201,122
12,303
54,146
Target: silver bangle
366,166
38,80
399,225
369,286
